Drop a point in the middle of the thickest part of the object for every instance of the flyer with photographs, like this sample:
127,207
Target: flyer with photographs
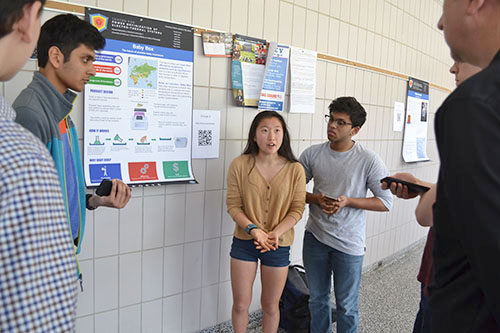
247,69
138,107
272,96
217,44
416,121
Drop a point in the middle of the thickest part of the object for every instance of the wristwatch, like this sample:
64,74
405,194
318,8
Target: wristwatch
250,227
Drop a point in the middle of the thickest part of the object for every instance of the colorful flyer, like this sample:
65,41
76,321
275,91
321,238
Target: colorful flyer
138,107
416,121
247,69
272,95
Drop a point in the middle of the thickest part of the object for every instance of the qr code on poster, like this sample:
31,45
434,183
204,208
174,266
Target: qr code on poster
204,137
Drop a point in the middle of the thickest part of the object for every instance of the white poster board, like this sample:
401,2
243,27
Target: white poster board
416,121
138,107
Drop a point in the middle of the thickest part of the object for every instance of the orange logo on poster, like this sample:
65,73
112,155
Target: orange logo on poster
142,171
99,21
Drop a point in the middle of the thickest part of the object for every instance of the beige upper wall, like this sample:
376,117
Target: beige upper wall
398,35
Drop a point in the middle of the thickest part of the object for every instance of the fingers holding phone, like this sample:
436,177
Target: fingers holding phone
398,189
328,203
114,193
404,185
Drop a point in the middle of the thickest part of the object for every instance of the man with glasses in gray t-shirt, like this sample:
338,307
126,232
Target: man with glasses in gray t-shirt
334,241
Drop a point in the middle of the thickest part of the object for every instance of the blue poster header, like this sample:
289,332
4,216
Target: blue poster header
148,50
418,95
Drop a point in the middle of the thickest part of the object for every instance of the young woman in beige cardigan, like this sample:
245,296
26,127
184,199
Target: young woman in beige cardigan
265,198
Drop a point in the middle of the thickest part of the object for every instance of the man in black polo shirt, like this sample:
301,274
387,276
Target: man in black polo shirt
465,296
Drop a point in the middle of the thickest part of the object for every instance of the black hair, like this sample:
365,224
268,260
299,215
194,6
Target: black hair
11,11
253,149
67,32
351,107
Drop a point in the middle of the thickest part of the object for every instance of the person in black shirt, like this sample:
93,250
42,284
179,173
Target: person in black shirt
465,295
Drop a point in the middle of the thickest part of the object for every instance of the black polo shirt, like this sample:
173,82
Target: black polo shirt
465,296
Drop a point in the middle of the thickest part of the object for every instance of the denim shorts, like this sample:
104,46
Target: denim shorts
245,250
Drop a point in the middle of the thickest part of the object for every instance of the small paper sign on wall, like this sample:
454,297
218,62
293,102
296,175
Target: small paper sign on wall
302,80
206,133
399,114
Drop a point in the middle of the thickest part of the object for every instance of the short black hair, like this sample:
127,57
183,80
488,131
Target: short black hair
67,32
351,107
10,12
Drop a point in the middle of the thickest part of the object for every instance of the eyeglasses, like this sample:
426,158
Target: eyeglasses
338,122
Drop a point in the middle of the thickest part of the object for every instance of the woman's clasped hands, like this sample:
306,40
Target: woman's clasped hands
265,241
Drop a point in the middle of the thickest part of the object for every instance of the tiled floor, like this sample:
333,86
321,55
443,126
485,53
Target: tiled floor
388,297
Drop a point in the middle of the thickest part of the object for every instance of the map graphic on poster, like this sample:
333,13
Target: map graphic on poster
138,108
143,73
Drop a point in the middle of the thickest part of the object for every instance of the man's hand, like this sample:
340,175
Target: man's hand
118,198
341,203
328,206
400,190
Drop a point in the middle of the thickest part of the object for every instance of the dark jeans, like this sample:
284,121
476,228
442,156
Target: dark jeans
422,324
320,262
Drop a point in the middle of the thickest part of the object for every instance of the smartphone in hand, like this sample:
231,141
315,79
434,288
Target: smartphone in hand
104,188
412,187
329,197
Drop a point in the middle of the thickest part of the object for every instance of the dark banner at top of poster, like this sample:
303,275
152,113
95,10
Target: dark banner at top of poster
418,86
136,29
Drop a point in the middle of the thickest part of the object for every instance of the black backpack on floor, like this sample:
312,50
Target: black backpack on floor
294,302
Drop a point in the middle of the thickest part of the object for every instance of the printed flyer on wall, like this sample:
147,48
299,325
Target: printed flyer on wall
302,80
247,69
206,133
416,121
272,96
217,44
138,107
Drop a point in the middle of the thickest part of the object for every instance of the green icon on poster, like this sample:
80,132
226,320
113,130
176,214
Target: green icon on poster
175,169
105,81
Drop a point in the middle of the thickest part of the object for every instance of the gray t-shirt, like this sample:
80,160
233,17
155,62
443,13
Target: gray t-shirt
350,173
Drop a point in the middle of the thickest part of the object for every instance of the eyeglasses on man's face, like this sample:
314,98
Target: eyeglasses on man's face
338,122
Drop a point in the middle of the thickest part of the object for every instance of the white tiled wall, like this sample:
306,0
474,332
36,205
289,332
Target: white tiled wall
161,264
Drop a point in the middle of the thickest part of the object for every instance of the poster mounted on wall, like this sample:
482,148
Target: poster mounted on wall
138,107
272,95
416,121
302,80
247,69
